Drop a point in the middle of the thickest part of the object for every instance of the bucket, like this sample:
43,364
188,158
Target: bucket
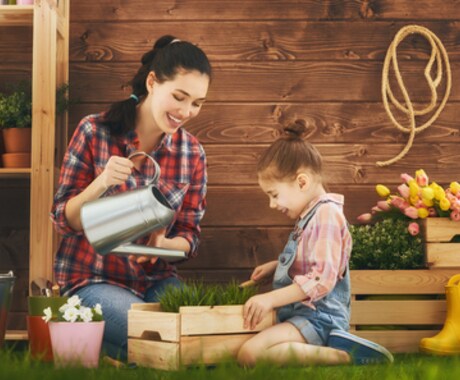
6,290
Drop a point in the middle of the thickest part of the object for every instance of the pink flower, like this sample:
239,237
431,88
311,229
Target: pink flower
383,205
411,212
421,177
376,209
365,218
413,228
406,177
400,203
432,211
404,190
455,215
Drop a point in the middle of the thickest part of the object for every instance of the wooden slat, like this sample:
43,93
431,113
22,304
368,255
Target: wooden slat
212,320
440,229
16,335
398,312
286,81
189,10
343,163
443,255
253,123
400,281
160,355
146,306
18,46
210,349
400,341
167,325
266,40
16,15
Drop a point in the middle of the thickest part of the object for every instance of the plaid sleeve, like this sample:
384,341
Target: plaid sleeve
187,224
76,174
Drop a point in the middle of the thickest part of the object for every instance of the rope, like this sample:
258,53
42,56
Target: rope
438,55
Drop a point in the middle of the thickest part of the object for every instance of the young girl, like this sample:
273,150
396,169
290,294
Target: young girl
311,278
168,90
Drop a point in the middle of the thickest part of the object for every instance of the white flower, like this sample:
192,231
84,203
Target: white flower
86,314
98,309
48,314
74,301
71,314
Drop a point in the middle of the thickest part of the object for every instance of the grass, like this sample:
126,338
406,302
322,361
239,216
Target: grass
17,365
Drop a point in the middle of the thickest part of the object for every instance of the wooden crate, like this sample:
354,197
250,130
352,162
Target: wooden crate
397,308
197,334
439,251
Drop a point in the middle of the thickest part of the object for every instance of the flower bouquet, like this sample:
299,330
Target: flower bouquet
76,333
416,199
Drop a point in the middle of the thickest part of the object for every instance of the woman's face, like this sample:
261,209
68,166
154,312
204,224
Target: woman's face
176,101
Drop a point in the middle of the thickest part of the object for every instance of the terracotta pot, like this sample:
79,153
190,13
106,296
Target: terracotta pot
16,160
39,339
76,344
17,140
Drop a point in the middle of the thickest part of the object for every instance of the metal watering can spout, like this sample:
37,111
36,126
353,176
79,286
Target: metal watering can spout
112,222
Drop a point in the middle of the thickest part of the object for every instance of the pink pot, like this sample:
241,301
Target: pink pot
24,2
76,344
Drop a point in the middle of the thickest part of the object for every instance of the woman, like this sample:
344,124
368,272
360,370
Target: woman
169,89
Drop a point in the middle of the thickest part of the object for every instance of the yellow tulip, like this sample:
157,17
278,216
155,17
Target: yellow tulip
422,212
444,204
413,188
414,200
427,193
382,191
454,187
428,203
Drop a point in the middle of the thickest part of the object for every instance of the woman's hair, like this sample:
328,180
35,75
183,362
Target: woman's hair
287,155
167,57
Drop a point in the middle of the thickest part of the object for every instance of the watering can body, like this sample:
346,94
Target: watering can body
111,223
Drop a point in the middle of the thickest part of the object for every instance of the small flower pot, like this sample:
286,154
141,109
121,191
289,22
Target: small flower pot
17,140
39,339
16,160
24,2
77,343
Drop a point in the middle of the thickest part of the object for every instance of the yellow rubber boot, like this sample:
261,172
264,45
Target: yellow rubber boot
447,341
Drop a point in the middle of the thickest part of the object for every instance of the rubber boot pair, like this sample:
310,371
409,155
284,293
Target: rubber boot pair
447,341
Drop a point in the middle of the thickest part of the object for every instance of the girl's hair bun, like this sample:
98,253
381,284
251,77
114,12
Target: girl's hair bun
297,129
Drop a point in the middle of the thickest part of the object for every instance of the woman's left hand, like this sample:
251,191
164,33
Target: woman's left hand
157,239
255,309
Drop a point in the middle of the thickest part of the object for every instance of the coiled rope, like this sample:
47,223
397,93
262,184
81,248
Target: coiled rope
438,55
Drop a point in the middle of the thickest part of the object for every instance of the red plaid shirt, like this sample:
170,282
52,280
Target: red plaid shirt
183,182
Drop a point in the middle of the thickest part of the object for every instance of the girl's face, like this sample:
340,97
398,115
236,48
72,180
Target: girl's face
289,197
176,101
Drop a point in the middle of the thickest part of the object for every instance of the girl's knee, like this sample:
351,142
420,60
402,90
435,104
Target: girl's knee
246,356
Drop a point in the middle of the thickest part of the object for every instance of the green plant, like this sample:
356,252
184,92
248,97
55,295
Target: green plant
199,294
16,108
385,245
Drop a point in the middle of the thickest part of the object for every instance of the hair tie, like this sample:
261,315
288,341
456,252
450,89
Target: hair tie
132,96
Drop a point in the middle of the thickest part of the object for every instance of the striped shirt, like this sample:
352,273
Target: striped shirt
323,251
183,182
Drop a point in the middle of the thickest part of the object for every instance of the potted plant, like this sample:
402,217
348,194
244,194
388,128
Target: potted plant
76,333
15,122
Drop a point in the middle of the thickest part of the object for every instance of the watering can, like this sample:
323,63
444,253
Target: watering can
112,222
6,291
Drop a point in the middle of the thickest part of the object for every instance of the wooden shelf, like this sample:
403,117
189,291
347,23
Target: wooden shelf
16,15
16,335
15,173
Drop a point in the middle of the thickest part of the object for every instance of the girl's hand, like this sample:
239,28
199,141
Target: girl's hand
157,239
255,309
116,172
264,271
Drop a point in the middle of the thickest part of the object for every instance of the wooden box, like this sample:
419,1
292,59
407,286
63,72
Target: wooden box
197,334
439,250
397,308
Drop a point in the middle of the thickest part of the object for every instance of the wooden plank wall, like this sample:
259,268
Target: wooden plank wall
275,61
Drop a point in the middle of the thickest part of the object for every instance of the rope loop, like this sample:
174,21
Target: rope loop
439,56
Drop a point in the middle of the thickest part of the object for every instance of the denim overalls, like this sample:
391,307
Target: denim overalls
332,311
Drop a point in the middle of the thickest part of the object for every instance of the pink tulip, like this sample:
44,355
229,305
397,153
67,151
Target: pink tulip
364,218
404,190
383,205
413,228
411,212
400,203
406,177
455,215
421,177
376,209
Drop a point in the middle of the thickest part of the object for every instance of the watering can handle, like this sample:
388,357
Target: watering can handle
454,280
156,176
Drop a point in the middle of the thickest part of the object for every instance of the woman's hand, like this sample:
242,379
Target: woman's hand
157,239
255,309
116,172
263,271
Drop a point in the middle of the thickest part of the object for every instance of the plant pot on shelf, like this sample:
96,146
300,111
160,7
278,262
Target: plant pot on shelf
17,142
